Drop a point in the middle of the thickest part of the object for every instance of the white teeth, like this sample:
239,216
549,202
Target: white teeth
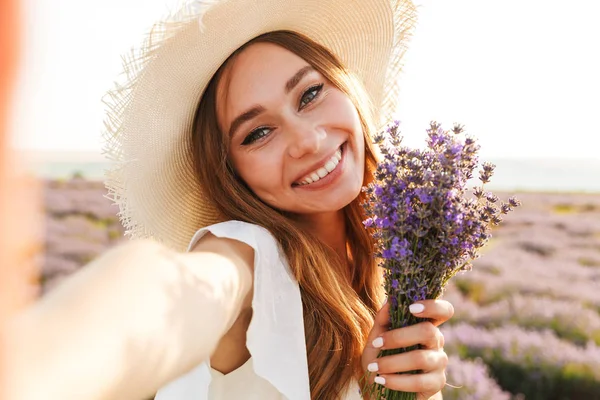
324,170
330,166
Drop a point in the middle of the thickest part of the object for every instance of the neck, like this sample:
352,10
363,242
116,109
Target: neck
329,228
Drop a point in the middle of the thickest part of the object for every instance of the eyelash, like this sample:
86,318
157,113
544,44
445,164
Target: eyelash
255,134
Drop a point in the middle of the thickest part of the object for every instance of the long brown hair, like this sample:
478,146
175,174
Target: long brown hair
339,302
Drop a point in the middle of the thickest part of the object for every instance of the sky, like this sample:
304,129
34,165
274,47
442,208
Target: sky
521,75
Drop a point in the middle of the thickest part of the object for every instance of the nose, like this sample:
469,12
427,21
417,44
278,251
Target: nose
304,138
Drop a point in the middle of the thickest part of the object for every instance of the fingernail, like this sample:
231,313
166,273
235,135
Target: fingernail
377,343
373,367
416,308
380,380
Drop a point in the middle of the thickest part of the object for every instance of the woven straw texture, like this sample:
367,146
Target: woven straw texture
150,111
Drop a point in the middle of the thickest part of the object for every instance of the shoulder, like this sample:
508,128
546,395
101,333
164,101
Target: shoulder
234,235
236,242
226,247
251,234
227,239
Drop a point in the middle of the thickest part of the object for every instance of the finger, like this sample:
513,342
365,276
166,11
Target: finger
380,325
423,333
429,383
423,360
437,311
382,318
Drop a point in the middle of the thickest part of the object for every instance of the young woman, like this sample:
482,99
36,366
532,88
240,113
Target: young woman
244,137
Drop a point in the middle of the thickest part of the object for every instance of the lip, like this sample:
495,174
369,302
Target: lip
333,175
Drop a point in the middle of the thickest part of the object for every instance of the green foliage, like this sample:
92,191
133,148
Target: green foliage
538,249
568,332
566,208
588,262
477,291
114,234
470,288
490,269
539,381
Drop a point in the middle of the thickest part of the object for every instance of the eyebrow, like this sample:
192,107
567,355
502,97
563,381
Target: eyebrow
257,110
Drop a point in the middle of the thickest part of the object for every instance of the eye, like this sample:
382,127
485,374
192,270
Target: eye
309,95
255,135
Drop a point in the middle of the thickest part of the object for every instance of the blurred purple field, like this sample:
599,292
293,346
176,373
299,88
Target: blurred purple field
530,308
527,321
80,223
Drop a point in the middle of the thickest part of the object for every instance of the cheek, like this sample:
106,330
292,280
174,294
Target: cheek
346,117
360,145
341,109
262,173
353,125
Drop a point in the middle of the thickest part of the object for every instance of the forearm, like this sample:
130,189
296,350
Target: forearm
124,325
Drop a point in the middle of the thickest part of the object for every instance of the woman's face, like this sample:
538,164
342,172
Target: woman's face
295,139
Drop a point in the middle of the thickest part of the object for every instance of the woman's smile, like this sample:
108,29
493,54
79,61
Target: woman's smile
324,175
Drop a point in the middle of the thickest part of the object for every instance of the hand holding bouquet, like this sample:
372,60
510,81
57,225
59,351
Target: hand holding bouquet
426,227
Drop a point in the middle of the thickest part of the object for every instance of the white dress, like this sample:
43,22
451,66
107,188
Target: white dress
277,368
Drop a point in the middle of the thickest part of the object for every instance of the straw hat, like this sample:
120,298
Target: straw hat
150,114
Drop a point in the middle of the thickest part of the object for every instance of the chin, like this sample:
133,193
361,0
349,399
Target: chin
337,200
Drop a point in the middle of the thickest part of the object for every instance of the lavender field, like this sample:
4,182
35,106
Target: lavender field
527,322
528,315
80,223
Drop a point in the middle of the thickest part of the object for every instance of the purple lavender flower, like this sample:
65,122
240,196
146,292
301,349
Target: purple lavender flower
428,230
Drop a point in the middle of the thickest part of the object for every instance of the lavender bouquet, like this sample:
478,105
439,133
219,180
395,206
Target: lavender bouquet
427,228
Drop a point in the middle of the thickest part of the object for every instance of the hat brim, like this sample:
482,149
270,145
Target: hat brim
150,115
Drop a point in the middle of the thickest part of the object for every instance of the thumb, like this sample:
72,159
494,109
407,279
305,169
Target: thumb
381,324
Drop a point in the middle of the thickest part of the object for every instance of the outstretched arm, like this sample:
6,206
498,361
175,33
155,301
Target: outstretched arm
128,323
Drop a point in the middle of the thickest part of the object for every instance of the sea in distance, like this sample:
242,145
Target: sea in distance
530,175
